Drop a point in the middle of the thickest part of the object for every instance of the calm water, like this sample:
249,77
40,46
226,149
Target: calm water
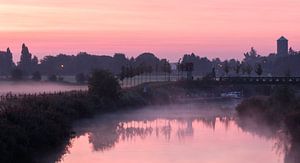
203,132
35,87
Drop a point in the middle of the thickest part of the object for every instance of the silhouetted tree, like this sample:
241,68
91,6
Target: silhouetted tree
258,70
213,73
226,68
166,68
17,74
52,77
292,51
60,78
36,76
80,78
287,73
249,69
27,64
103,84
237,68
6,62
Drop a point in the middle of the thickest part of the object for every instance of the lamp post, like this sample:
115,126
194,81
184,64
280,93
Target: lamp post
61,71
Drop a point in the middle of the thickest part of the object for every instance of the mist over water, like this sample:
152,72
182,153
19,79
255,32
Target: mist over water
199,132
30,87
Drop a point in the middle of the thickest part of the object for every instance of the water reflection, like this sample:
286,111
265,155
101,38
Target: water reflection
178,133
283,145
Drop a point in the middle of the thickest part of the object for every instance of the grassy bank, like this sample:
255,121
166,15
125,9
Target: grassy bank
33,124
281,108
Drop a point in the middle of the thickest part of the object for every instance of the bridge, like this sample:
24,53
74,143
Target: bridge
259,80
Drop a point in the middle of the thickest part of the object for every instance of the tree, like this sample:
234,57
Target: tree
258,70
6,62
52,77
103,84
292,51
287,73
16,74
26,63
248,69
166,68
226,67
213,73
36,76
237,68
80,78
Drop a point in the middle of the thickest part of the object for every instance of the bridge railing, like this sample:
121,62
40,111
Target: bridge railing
260,80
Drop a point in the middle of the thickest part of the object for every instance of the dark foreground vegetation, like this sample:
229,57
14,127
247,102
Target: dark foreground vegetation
33,124
280,112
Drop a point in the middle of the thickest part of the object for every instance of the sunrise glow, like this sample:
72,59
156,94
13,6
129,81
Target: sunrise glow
168,28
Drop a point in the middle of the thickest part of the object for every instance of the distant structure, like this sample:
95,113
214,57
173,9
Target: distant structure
282,46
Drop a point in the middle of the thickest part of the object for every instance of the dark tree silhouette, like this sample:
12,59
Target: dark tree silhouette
80,78
213,73
249,69
52,77
36,76
258,70
237,68
17,74
6,62
103,84
226,68
27,64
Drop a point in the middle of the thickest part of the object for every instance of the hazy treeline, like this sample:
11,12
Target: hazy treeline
83,62
253,64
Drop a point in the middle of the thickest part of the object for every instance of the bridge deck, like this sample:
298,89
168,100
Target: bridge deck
259,80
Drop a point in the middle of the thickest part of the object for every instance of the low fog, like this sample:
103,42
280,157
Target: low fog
30,87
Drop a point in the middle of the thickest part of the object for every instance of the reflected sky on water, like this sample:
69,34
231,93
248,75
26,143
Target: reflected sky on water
203,132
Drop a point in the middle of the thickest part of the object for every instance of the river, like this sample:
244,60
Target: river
206,132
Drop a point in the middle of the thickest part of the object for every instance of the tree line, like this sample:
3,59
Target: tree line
146,64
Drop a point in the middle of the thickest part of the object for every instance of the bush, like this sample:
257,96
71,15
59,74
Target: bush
283,95
36,76
292,122
103,84
80,78
17,74
52,78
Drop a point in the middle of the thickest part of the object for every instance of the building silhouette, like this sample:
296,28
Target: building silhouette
282,46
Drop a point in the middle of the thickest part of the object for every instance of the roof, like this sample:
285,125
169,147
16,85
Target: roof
282,38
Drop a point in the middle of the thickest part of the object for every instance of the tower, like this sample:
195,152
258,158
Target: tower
282,46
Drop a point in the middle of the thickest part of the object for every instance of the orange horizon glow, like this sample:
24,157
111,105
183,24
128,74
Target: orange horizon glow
169,28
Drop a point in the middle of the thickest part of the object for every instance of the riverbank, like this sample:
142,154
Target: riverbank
36,123
280,112
33,124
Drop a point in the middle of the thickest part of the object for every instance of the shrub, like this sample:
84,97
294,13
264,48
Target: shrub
52,77
80,78
36,76
104,85
17,74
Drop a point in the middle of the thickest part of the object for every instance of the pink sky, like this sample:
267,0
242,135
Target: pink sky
168,28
